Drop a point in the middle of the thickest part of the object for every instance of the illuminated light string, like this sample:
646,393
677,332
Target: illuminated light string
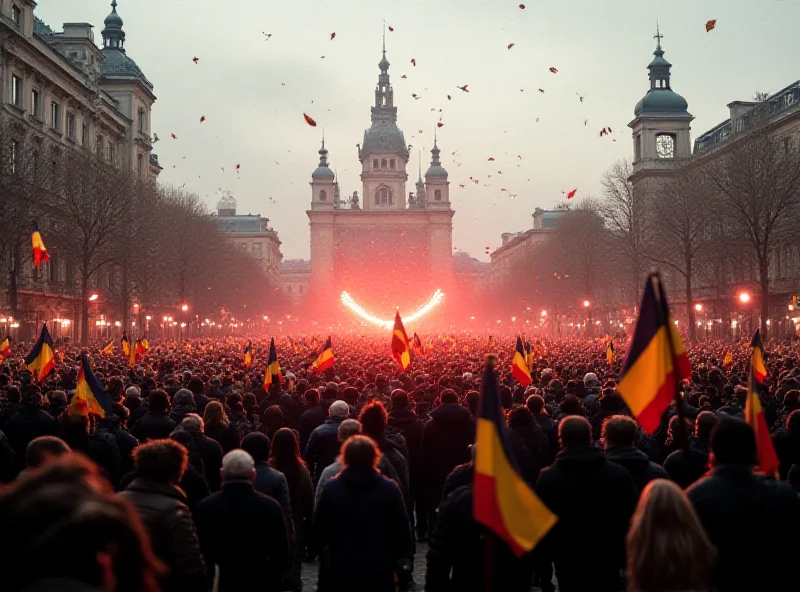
348,301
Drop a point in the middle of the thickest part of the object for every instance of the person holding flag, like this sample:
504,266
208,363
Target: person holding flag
754,412
248,353
400,350
40,254
90,397
5,350
728,359
325,359
519,367
273,373
42,359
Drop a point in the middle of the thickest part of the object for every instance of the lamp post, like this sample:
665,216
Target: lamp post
588,306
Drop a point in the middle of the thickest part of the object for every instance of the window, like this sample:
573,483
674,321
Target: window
111,154
14,156
36,104
71,126
665,145
637,147
242,246
383,163
391,164
383,196
98,145
140,169
437,195
16,91
257,247
16,14
55,116
141,120
374,163
323,195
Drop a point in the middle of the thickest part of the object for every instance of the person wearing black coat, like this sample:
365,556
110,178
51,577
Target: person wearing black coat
460,476
619,439
581,473
117,426
741,511
536,405
676,465
243,532
408,423
208,449
98,446
446,439
267,480
360,525
8,460
29,422
322,447
156,423
312,417
787,444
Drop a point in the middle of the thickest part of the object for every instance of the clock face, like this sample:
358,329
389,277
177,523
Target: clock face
665,146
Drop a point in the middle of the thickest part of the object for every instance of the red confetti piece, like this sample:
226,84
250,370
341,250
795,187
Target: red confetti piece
174,137
572,193
310,120
195,60
554,70
440,124
464,88
333,35
413,62
391,29
522,7
510,45
711,24
202,118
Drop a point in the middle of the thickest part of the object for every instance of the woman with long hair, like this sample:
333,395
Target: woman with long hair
218,427
284,456
668,550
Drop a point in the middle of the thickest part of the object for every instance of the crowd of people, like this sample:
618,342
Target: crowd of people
203,479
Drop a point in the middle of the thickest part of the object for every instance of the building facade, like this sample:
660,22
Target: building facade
295,276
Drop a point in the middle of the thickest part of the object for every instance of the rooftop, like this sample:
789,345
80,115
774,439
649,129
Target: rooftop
245,224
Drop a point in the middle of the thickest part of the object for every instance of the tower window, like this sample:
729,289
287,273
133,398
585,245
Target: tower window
383,196
665,145
375,163
141,120
637,147
16,91
383,163
437,195
323,196
16,14
55,116
391,164
36,105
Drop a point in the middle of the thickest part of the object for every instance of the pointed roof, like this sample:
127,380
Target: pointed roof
661,100
323,171
436,169
117,64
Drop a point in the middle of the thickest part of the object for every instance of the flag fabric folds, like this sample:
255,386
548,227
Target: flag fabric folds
503,501
611,355
417,344
108,348
754,412
140,348
90,396
519,367
40,254
5,350
125,344
400,349
325,359
273,367
727,360
132,354
42,358
656,360
248,354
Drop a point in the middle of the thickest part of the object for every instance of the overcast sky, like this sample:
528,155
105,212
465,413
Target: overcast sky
253,91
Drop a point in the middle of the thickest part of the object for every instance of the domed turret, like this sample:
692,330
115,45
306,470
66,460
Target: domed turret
660,100
323,171
436,169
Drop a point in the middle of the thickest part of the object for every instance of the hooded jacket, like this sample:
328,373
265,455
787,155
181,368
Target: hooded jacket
637,463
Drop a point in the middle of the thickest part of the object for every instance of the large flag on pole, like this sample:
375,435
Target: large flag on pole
108,348
40,254
519,367
273,367
248,354
42,358
90,396
656,359
754,413
503,501
325,359
400,349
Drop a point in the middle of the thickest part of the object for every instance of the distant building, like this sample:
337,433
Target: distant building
295,276
252,235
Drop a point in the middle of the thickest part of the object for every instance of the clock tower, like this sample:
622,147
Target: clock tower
661,127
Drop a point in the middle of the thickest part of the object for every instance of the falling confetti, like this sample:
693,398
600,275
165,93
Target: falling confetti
464,88
711,24
554,70
238,166
195,60
309,120
267,35
174,137
440,124
580,96
491,158
333,35
202,118
416,97
413,62
391,29
603,132
572,193
522,7
541,90
449,97
404,76
510,45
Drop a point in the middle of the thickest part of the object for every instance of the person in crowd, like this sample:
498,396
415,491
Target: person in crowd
581,472
404,420
361,524
238,416
43,449
56,403
218,427
741,510
373,418
208,449
135,404
62,529
323,443
12,404
224,524
117,426
668,550
193,483
619,434
676,465
81,437
163,508
535,404
267,480
156,423
529,442
313,416
787,444
28,423
8,460
182,405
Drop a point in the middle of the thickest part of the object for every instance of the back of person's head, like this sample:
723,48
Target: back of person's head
183,397
571,405
619,430
214,415
350,395
793,422
158,401
339,409
399,399
448,396
667,546
574,430
256,445
373,419
284,449
238,464
122,413
160,461
360,452
505,397
62,521
40,450
471,401
193,424
704,424
57,397
535,403
133,392
349,428
311,396
520,416
793,477
31,395
12,394
733,442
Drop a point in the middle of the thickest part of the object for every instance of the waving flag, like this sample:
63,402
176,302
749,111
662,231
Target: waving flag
40,254
132,351
656,360
519,367
125,344
611,355
417,344
400,343
42,358
273,367
325,359
727,360
754,413
90,396
248,354
5,350
108,348
503,501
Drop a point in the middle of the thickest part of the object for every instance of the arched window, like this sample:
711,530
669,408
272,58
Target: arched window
322,195
374,163
383,196
437,195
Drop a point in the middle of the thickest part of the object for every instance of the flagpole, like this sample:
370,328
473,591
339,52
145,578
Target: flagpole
683,436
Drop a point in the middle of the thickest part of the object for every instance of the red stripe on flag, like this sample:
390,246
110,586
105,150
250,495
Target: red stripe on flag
650,416
486,510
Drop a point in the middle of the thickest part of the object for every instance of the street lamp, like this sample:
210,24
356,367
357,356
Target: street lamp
185,307
744,297
544,313
586,303
93,297
698,307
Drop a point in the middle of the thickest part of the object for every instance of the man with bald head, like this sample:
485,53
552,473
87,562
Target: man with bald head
243,532
593,499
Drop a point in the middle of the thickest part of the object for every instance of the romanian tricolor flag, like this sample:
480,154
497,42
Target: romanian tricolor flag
503,501
90,396
132,355
754,413
42,358
611,355
530,355
416,342
519,367
248,354
273,367
140,348
727,360
5,350
400,343
656,360
40,254
108,348
126,345
325,359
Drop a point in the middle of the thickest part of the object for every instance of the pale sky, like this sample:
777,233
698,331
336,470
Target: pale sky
600,47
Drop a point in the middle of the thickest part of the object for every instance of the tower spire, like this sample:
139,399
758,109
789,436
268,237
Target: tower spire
658,36
419,160
113,35
384,37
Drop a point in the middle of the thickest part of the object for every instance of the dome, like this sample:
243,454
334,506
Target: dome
322,173
384,136
436,171
117,63
113,21
661,102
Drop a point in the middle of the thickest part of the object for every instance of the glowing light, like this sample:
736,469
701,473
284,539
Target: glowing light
768,322
185,307
544,313
744,297
93,297
148,318
698,307
348,301
586,303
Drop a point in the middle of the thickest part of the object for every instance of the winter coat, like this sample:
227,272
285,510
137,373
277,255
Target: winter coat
362,524
154,425
226,437
638,465
28,423
384,466
8,460
550,429
457,544
163,510
322,447
676,467
408,423
244,533
309,420
446,439
179,412
273,484
787,447
126,445
210,452
460,476
7,412
753,522
578,475
192,484
100,447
